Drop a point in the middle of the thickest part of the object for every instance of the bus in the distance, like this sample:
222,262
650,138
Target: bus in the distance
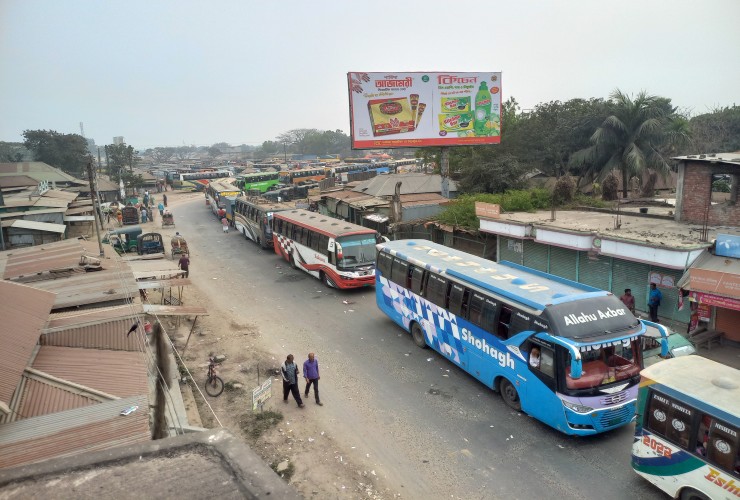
222,194
253,218
563,352
262,181
302,176
687,438
339,253
199,179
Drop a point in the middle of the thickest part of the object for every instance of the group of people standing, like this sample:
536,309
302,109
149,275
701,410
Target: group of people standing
290,374
654,298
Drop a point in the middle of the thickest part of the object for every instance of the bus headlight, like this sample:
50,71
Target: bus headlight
576,407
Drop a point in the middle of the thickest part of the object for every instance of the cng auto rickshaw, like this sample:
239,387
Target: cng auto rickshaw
124,239
149,243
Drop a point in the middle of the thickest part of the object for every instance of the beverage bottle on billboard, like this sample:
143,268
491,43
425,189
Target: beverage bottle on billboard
482,109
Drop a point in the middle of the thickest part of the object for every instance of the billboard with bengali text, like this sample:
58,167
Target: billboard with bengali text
418,109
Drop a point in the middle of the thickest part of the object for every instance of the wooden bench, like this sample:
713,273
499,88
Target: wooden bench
706,337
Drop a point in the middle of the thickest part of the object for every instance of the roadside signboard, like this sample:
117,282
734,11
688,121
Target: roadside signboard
261,393
401,110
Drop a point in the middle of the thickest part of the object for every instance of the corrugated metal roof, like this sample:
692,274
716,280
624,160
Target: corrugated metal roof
94,329
91,428
17,181
24,311
175,310
385,185
39,226
42,258
37,170
79,210
108,285
40,398
64,195
119,373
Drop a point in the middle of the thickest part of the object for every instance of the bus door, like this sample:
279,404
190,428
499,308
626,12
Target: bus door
541,378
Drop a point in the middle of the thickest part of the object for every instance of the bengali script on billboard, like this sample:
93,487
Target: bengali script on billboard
417,109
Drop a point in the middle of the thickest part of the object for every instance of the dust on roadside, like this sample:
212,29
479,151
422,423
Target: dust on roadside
297,443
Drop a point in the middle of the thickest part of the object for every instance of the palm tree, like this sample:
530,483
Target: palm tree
630,139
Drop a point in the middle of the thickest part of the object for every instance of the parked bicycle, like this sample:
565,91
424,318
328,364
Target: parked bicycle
214,384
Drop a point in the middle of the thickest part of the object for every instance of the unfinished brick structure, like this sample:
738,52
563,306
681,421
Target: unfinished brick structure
694,196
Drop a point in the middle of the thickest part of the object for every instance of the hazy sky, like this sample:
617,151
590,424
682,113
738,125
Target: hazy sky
168,73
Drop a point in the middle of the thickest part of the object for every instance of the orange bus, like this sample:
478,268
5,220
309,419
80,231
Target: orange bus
302,176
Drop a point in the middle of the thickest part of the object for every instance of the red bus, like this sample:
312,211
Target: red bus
339,253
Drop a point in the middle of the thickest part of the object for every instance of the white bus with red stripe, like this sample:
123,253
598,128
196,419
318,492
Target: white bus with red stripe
339,253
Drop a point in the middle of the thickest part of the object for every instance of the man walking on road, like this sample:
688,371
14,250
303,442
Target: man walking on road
290,380
311,374
654,301
184,264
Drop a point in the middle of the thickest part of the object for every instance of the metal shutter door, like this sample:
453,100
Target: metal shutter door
727,320
669,305
510,249
595,270
564,263
626,274
536,255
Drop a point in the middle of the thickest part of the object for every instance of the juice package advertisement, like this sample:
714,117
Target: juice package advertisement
402,110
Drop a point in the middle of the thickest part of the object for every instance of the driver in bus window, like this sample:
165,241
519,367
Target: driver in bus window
534,357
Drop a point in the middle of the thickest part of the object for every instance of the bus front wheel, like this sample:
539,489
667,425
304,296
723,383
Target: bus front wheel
327,280
690,494
510,395
418,335
292,262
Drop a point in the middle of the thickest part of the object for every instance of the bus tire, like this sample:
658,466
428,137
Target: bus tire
292,262
510,395
692,494
259,241
327,280
418,335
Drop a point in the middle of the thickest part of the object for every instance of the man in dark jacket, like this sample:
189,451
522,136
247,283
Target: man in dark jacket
290,380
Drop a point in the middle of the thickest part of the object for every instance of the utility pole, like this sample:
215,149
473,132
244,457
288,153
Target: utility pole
2,238
96,210
444,170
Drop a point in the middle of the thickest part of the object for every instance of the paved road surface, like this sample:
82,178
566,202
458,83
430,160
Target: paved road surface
427,427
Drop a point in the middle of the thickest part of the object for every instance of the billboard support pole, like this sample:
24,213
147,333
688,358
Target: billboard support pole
444,170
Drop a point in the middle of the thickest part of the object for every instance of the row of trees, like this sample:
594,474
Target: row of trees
591,139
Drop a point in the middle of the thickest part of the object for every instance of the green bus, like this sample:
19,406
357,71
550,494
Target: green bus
263,181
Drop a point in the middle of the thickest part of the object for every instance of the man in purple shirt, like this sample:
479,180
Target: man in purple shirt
311,374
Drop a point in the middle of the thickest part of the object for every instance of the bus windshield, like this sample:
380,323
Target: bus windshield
603,365
356,250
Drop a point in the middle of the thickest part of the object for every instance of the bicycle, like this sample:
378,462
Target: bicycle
214,384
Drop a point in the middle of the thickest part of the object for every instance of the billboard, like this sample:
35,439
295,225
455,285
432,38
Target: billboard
402,110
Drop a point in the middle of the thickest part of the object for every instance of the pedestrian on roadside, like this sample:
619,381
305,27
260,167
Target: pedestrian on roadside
164,197
184,264
225,224
628,300
311,374
654,299
161,208
290,381
143,215
119,217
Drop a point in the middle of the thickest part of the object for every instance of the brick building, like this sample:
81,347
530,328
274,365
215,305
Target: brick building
696,201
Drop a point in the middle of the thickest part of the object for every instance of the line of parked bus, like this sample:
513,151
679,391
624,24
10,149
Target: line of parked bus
563,352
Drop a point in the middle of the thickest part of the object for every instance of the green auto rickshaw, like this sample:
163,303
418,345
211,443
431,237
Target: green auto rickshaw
123,239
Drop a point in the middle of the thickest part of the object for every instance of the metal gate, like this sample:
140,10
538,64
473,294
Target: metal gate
564,263
510,249
595,270
536,255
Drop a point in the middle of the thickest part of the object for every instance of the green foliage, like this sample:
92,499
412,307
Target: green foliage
565,189
161,155
14,152
716,132
721,186
255,424
490,173
610,187
120,159
314,142
582,200
630,139
461,212
67,152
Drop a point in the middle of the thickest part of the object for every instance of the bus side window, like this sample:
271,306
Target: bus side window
475,309
657,414
384,263
541,360
723,445
455,299
417,280
436,291
324,244
504,322
489,315
400,272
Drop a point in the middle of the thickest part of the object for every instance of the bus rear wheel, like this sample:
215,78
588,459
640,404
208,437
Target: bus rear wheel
292,262
418,335
689,494
510,395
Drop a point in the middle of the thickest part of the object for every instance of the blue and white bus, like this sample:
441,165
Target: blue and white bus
563,352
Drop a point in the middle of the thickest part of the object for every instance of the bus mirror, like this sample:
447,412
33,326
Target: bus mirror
385,239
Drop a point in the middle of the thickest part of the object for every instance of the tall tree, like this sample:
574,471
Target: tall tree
120,160
161,155
629,139
717,131
67,152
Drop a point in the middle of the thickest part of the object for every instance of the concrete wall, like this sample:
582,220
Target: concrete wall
695,192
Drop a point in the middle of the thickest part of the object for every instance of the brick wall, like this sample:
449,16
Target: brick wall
696,194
